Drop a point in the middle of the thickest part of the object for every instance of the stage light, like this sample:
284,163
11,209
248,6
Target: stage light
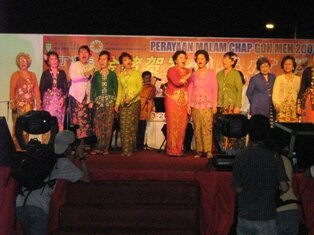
270,26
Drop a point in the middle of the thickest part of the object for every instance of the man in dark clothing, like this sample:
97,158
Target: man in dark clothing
257,174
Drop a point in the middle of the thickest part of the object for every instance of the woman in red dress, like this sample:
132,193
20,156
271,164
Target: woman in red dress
176,103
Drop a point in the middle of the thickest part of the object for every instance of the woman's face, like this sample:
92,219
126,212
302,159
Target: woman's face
264,68
53,61
201,61
23,63
83,56
288,66
103,61
127,62
227,62
181,60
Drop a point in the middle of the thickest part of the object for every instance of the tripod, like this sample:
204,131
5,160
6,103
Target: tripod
164,131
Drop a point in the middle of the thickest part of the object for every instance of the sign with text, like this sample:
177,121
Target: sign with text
154,53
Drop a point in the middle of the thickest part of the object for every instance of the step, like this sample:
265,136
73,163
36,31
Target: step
150,231
133,192
126,216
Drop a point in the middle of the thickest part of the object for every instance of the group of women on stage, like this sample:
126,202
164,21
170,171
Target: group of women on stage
198,93
92,97
285,98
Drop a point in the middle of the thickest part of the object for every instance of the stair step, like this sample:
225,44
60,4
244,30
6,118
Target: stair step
133,192
150,231
126,216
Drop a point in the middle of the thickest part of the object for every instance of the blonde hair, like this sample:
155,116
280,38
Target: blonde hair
26,56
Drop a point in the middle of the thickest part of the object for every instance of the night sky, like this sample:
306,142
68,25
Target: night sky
196,18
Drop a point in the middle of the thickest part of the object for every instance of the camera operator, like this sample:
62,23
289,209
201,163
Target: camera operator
257,171
32,207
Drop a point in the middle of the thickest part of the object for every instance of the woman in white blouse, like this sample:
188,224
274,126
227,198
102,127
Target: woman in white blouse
285,91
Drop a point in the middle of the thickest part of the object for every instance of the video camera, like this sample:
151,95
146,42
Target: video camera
35,122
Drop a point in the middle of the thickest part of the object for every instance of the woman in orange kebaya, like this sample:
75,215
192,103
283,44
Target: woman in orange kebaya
24,91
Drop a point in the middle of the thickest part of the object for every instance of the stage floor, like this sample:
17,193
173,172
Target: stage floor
148,164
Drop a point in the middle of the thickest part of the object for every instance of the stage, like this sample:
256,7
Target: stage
217,197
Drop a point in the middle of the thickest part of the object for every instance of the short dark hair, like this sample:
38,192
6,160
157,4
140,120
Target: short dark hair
84,47
289,57
202,52
232,56
146,74
107,53
124,54
176,54
260,61
258,127
50,53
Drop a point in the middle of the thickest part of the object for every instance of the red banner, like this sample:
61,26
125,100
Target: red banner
154,53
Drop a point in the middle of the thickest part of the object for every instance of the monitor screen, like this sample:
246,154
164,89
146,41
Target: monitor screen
159,104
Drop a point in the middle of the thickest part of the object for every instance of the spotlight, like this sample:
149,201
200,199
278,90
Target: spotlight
270,26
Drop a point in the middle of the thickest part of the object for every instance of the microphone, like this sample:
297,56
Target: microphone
91,75
158,79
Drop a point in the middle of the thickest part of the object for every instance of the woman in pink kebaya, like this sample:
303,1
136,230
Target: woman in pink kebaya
202,104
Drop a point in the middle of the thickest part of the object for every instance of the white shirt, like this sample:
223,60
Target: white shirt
63,169
80,84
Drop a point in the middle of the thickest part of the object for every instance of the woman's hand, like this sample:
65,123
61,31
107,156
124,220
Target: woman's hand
89,73
119,69
116,109
12,105
214,110
91,105
236,110
191,70
299,111
189,110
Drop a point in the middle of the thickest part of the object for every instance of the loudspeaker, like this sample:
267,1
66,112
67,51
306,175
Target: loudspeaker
7,147
296,139
233,125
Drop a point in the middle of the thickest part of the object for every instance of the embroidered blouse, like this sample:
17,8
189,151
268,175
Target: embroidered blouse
175,89
203,90
129,87
229,89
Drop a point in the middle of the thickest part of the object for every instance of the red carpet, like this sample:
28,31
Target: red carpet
144,165
216,194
